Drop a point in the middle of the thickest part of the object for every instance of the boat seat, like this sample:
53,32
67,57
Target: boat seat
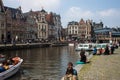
10,66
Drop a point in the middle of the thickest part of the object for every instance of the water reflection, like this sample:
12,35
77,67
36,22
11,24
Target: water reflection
44,63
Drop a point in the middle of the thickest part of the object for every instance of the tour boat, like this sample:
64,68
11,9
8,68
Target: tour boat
85,46
102,45
11,71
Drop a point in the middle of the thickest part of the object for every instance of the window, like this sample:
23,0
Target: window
76,27
2,24
75,32
80,45
42,19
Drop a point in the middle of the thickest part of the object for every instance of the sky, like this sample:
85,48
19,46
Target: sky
107,11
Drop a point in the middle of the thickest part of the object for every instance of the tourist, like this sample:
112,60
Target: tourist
10,61
83,57
16,60
112,49
100,51
1,68
95,51
107,52
6,65
71,74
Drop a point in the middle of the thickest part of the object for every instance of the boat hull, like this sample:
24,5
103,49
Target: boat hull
85,46
78,49
8,73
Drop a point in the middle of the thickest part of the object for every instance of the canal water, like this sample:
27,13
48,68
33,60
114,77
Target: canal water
43,63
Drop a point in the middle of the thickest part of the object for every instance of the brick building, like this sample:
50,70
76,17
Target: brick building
2,23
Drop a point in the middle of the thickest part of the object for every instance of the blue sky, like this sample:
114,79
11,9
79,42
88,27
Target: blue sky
107,11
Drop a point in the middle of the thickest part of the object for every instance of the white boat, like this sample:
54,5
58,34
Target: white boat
13,69
85,46
71,44
102,45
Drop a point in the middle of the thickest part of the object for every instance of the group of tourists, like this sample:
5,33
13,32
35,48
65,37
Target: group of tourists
71,74
6,64
109,49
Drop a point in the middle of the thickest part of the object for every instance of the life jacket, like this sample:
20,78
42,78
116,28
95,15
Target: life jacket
16,60
6,67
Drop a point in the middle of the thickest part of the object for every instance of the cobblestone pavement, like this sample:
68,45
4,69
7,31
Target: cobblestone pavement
102,67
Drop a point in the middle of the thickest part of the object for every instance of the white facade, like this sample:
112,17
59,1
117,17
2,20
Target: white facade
73,28
42,25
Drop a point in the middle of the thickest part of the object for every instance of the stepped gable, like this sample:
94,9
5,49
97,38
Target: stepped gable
43,11
49,18
82,22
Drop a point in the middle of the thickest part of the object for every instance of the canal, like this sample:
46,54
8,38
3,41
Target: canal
43,63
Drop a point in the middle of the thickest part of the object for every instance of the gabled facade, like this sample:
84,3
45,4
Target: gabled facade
80,30
2,23
58,26
85,29
15,25
48,25
51,26
97,25
31,28
73,28
42,24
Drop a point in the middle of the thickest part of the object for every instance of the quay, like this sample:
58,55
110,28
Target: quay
29,45
102,67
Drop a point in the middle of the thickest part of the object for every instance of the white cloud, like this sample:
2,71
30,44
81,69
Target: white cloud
38,4
75,14
109,12
110,17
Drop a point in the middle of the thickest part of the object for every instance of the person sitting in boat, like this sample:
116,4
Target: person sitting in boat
1,68
83,57
10,61
71,74
16,60
5,65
